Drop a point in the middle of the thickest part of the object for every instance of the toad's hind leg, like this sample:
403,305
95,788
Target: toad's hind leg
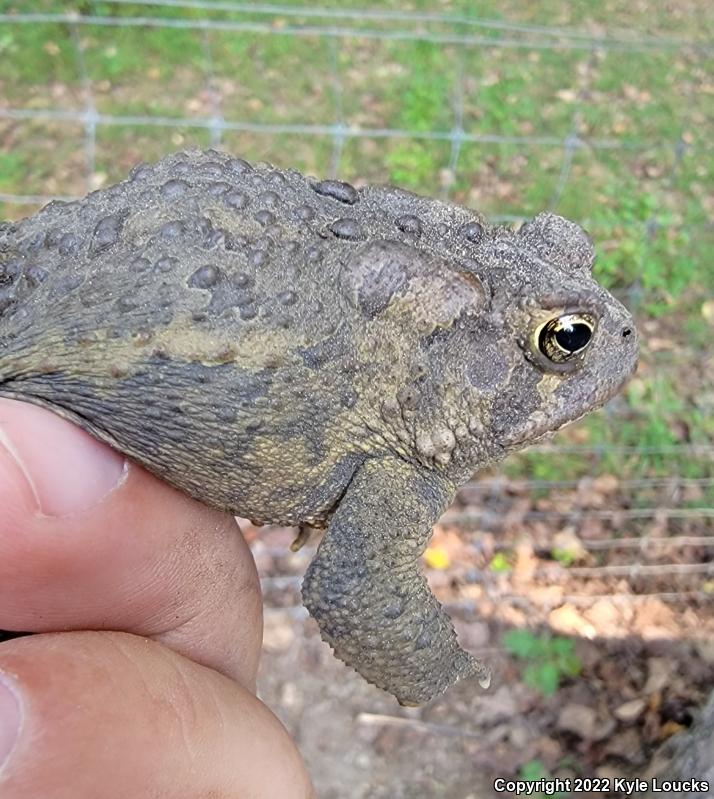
365,590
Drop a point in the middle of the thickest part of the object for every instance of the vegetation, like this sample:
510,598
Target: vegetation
640,177
548,660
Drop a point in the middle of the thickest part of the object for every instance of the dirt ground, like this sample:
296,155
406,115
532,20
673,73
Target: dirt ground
643,638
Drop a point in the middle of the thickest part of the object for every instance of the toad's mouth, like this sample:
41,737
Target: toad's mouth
576,398
541,424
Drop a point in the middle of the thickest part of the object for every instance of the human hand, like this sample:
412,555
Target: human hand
141,682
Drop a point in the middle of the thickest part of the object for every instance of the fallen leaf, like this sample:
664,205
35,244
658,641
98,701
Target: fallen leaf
567,95
626,746
606,483
566,619
630,711
660,671
670,728
604,616
437,558
569,546
580,720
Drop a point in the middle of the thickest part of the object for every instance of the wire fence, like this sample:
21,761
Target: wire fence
418,28
678,508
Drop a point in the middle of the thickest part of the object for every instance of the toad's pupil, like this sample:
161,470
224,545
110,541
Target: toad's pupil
573,337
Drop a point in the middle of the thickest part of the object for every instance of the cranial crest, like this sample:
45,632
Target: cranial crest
559,241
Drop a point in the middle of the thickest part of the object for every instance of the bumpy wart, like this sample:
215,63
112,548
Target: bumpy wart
304,352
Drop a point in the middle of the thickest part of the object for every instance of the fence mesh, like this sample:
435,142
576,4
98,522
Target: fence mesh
88,109
611,126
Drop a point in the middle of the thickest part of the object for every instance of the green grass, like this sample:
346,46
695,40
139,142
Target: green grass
412,164
648,206
131,68
310,155
501,563
507,178
118,148
13,168
41,158
547,660
519,96
35,55
274,79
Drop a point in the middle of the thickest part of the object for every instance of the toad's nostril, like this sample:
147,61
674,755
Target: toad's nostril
626,332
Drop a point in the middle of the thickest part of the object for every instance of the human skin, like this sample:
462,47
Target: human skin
140,680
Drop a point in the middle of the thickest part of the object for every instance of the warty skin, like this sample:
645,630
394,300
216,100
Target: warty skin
302,352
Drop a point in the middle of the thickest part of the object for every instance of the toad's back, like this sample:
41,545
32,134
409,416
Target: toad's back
202,273
230,243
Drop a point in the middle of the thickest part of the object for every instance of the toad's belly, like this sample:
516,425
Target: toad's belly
257,442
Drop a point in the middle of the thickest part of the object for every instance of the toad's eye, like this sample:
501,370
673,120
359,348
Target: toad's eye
561,338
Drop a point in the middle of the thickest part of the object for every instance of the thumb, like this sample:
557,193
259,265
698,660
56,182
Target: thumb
58,468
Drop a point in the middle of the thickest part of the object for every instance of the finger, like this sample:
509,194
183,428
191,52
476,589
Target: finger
89,542
111,715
